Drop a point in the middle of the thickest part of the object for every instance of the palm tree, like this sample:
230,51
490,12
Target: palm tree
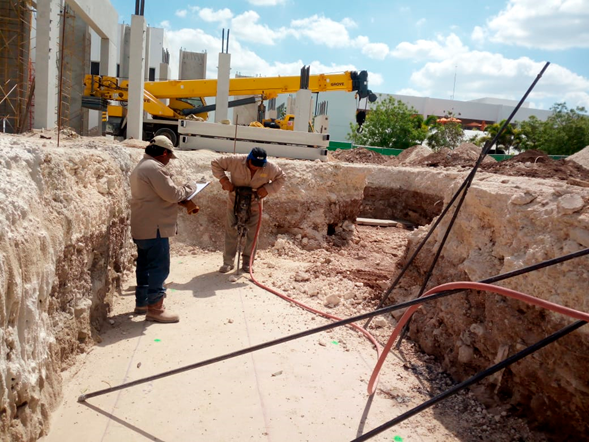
510,138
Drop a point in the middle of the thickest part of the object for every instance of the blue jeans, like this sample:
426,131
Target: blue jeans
153,267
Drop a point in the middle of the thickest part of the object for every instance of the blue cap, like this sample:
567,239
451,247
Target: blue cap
258,157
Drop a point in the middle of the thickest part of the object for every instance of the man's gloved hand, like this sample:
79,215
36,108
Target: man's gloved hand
191,208
262,192
227,185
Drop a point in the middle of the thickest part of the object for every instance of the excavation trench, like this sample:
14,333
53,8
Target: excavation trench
65,238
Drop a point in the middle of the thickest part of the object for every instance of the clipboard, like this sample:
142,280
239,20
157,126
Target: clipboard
199,188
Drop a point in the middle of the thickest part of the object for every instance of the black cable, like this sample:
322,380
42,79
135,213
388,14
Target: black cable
464,187
483,374
326,327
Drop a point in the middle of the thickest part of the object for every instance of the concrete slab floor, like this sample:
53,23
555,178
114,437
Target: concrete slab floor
311,389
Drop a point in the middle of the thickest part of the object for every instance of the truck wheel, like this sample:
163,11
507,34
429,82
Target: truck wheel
168,133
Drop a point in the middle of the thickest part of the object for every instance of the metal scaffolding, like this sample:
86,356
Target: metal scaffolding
16,77
73,64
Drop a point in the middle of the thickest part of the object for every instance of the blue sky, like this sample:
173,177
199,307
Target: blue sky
494,48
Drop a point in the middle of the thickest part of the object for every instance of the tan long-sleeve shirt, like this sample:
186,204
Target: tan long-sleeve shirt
154,200
269,177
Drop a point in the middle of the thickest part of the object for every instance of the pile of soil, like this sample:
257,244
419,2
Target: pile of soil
536,164
359,155
581,157
465,155
411,156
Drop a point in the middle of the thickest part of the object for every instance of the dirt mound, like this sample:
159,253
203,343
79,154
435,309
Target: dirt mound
137,144
536,164
359,155
465,155
412,155
581,157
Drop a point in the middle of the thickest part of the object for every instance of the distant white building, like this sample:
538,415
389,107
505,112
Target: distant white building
341,110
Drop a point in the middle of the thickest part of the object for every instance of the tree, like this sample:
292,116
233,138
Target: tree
448,134
532,132
391,124
510,138
566,131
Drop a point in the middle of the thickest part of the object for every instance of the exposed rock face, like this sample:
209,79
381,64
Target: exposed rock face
64,245
316,197
505,225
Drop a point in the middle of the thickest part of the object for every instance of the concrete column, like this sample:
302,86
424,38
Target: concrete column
302,111
321,124
136,78
147,51
108,57
222,99
46,84
124,47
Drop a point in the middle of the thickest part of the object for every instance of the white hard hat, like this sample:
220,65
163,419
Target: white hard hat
165,142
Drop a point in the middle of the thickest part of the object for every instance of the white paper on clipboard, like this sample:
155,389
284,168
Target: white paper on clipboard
199,188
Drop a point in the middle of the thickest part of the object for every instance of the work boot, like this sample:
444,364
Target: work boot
140,310
245,268
226,268
157,313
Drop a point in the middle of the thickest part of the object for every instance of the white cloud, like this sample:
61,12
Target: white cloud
245,27
410,92
243,60
333,34
378,51
181,13
349,23
266,2
165,24
441,49
574,99
481,74
479,35
321,30
552,25
420,22
209,15
374,80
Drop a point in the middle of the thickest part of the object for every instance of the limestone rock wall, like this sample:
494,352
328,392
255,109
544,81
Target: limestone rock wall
507,223
64,246
316,195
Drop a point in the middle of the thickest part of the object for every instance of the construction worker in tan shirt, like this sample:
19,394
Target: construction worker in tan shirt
255,172
154,211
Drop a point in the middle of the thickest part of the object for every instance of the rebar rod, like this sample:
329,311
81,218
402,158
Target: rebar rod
326,327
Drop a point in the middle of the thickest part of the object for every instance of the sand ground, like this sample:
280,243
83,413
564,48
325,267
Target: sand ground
311,389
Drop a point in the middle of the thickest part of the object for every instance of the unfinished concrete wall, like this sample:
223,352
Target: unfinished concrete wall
193,65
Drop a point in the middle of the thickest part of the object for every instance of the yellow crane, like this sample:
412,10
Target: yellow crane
170,101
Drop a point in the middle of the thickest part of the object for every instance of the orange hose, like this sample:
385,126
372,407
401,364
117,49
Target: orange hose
294,301
468,285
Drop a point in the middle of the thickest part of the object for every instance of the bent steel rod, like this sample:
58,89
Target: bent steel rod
481,375
326,327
